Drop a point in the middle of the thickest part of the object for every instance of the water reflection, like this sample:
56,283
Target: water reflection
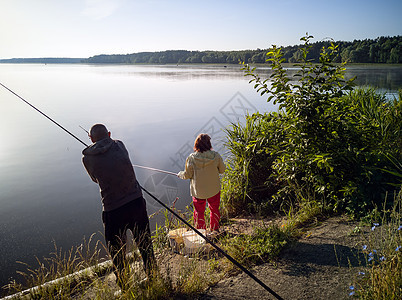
387,78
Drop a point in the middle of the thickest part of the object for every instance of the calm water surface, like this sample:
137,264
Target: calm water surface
46,195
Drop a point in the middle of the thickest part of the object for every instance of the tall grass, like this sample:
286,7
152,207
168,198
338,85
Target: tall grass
84,273
66,270
262,245
382,278
248,183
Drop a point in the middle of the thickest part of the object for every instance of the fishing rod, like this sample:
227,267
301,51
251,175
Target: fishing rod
231,259
83,129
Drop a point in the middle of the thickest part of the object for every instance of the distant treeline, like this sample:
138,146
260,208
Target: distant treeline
380,50
43,60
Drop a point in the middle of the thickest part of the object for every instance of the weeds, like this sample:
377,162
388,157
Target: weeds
262,245
382,249
64,272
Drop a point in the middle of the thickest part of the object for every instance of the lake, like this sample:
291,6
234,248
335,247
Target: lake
46,196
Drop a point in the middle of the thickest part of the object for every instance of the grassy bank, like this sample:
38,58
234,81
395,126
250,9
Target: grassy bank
82,273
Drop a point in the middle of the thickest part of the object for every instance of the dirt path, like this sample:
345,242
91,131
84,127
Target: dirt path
321,265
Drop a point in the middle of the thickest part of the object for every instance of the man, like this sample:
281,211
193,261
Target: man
108,164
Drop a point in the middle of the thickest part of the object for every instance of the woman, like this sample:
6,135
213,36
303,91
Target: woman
203,168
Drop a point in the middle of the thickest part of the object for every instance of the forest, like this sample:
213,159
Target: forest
43,60
386,50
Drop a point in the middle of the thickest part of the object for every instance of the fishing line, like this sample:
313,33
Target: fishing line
156,170
231,259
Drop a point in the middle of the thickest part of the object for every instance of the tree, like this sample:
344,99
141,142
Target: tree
372,51
395,56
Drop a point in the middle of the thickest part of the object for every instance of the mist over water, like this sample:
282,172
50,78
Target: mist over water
157,111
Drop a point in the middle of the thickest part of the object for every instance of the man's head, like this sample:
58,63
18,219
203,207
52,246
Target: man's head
98,132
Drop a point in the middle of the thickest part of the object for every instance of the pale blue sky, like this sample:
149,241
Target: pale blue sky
83,28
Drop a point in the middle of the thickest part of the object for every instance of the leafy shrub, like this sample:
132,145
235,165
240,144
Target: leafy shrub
327,143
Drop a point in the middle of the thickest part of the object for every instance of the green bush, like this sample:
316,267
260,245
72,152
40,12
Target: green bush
327,143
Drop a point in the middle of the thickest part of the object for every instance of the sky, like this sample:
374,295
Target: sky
84,28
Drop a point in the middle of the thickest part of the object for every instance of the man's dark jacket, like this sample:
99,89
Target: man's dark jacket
108,164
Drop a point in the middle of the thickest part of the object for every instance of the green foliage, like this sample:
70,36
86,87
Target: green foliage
182,56
249,184
327,143
262,245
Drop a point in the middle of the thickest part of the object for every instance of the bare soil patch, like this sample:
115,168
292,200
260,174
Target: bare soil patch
320,265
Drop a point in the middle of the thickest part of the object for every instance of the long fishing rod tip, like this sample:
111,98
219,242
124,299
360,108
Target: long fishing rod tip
83,129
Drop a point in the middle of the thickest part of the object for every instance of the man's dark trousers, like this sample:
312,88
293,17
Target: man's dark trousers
133,216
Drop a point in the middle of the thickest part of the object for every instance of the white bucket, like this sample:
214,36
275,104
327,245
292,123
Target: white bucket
193,243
